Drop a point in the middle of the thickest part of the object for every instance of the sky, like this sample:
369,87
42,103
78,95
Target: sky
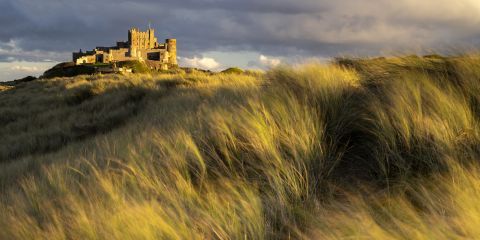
216,34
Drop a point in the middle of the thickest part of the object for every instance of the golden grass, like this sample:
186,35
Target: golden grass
362,149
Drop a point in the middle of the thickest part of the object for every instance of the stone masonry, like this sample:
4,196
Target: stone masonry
141,46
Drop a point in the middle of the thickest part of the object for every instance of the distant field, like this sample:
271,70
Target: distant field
384,148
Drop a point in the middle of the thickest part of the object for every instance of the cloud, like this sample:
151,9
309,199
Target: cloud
25,68
264,62
10,52
203,63
272,27
19,69
269,61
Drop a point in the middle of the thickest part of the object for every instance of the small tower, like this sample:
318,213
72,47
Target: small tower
151,38
133,42
172,51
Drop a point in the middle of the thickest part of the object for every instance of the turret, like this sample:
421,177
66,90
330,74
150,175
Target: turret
132,36
151,38
172,51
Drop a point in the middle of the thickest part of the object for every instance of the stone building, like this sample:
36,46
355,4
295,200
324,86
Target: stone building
141,46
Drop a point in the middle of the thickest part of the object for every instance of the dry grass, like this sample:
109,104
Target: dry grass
363,149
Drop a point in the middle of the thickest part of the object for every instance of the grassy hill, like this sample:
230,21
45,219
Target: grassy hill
360,148
69,69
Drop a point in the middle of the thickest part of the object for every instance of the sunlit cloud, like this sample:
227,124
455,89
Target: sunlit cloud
265,62
276,29
197,62
20,69
25,68
269,61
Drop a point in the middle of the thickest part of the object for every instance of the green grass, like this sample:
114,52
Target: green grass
136,66
68,69
233,70
361,148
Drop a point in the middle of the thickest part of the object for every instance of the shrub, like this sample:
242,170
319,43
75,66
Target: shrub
233,70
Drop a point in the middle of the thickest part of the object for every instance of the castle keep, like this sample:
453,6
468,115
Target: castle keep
141,46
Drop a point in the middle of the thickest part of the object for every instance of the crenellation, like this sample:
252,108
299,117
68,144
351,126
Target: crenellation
141,46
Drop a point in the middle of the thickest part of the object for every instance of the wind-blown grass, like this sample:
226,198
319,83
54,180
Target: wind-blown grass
364,149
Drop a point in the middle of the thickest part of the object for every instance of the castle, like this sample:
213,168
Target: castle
141,46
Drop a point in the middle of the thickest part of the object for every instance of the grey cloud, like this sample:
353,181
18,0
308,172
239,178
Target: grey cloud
272,27
11,52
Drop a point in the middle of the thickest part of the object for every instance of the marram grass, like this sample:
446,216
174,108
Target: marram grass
357,149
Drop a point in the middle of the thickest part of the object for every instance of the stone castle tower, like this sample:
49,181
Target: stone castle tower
142,40
172,50
141,46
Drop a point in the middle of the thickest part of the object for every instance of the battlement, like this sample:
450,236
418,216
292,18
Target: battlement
141,46
142,40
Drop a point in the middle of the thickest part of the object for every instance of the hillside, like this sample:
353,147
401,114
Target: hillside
384,148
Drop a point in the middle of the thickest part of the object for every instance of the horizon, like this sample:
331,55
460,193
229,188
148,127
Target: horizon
218,34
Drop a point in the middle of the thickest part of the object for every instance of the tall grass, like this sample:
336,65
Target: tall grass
364,149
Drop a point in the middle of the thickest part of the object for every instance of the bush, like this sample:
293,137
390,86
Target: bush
68,70
233,70
136,66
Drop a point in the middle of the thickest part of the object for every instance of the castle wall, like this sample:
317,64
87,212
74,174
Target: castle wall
142,46
88,59
121,54
122,45
152,54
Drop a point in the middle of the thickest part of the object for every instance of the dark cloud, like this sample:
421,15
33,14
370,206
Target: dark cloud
30,29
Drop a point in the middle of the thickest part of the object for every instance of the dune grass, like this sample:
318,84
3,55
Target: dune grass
357,149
